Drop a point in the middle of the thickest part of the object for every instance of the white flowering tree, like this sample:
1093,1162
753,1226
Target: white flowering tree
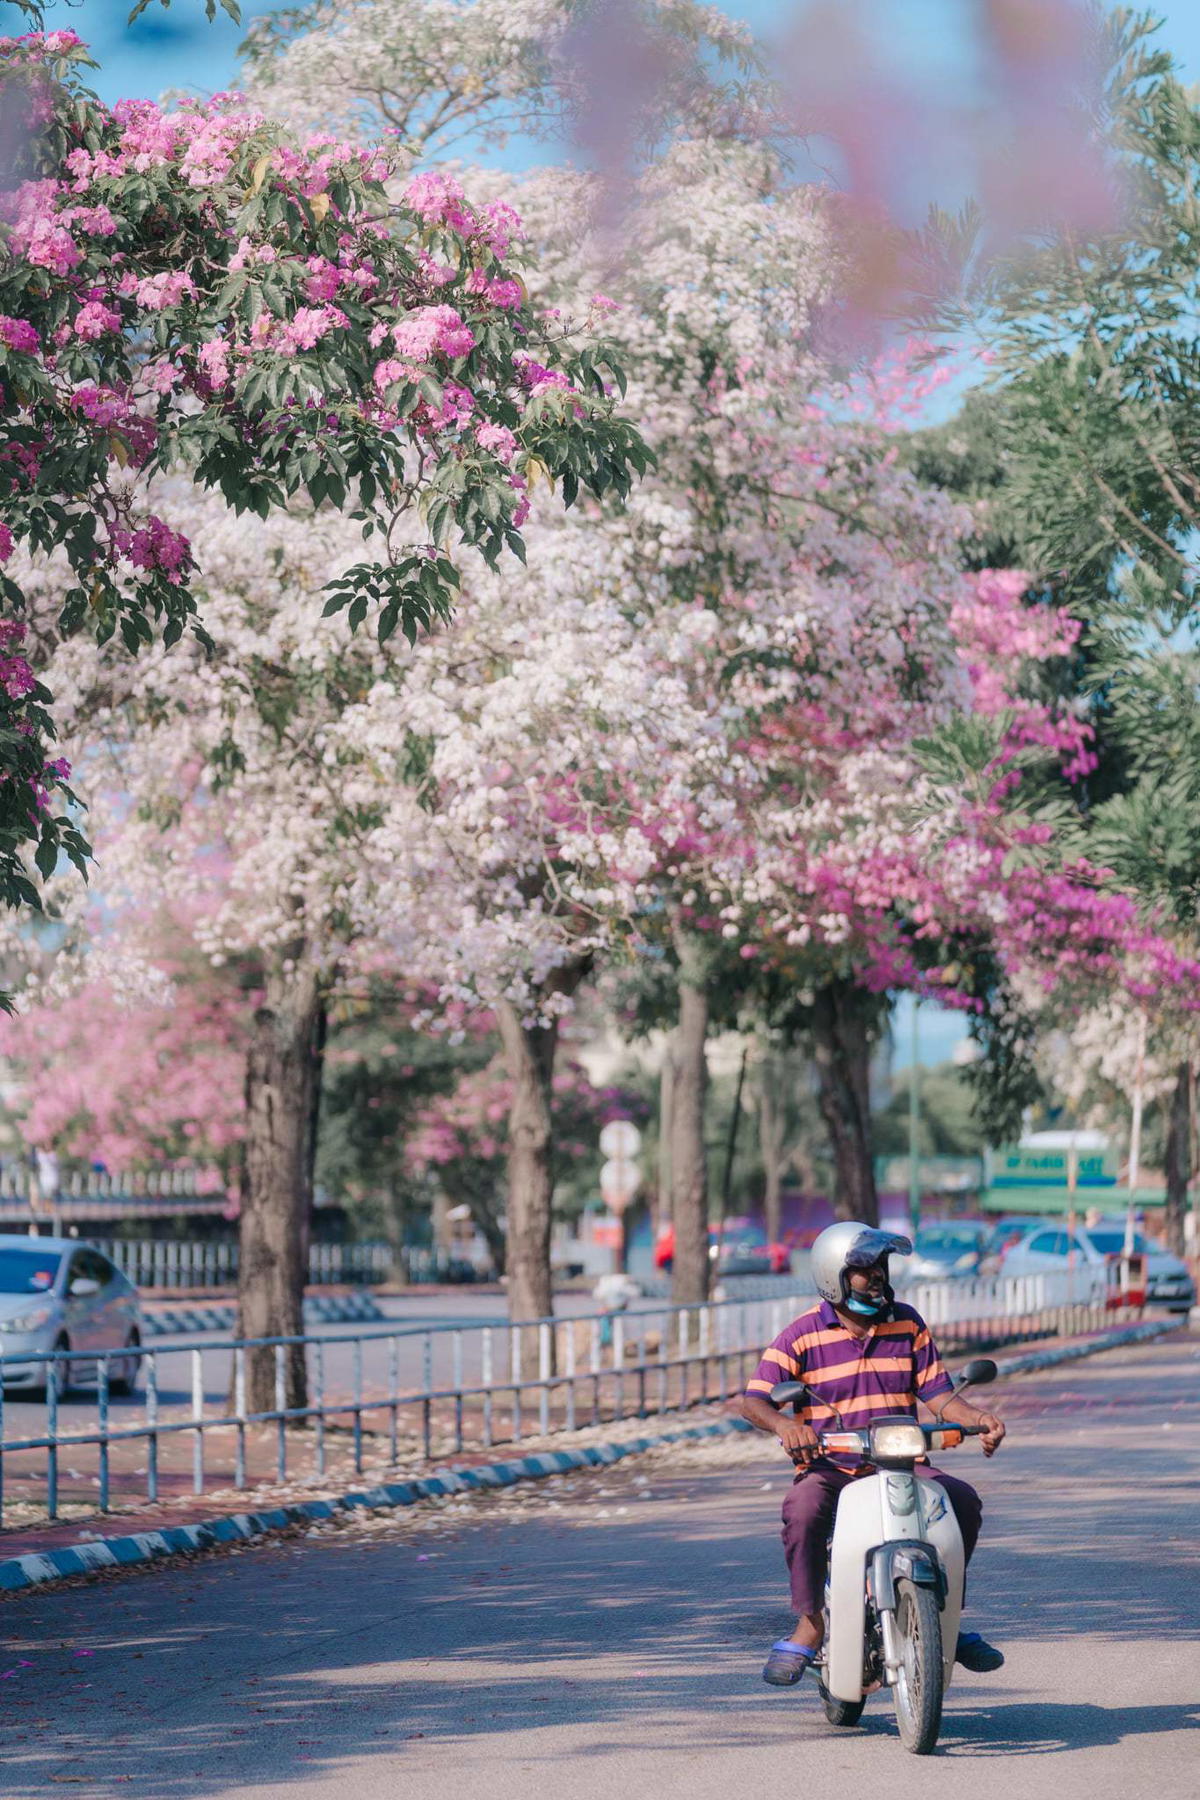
689,724
460,817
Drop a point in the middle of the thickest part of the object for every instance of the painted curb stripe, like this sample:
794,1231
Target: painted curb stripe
172,1319
21,1572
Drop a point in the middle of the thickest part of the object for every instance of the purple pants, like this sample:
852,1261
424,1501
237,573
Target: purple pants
808,1511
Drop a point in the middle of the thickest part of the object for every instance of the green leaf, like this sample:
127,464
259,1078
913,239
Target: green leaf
46,854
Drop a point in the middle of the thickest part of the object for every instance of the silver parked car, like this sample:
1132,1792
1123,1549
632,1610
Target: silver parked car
1168,1281
951,1249
59,1294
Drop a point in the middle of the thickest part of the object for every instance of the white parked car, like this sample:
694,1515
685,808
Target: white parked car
59,1294
1168,1282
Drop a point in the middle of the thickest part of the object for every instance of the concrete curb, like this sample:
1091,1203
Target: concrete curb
1106,1340
21,1572
183,1318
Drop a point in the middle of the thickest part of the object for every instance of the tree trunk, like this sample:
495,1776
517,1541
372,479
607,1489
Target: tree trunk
662,1210
689,1168
1179,1158
841,1030
395,1225
529,1053
282,1079
771,1124
484,1216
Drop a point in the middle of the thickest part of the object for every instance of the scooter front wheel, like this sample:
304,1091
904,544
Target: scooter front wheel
841,1712
919,1684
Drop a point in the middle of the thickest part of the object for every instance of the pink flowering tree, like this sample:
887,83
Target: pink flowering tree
460,1140
135,1085
195,288
939,851
793,583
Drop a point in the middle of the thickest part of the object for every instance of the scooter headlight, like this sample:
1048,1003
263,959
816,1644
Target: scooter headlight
896,1443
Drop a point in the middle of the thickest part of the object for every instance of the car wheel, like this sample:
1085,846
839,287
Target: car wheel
126,1369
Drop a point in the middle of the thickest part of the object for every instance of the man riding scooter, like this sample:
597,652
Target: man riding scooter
862,1354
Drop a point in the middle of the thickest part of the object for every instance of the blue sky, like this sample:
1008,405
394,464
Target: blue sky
178,48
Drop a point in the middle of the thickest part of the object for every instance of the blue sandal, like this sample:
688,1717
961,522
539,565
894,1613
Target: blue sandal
787,1662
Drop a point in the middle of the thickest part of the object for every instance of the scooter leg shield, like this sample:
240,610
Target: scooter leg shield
858,1528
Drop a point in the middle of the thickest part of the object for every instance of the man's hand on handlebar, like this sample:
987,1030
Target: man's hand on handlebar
952,1409
799,1440
993,1433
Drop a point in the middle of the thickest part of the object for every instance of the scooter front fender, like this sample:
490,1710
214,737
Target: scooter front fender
905,1559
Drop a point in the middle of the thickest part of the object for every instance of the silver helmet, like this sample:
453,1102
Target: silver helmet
851,1245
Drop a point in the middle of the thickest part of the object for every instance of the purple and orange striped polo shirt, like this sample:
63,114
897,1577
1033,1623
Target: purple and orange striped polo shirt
887,1371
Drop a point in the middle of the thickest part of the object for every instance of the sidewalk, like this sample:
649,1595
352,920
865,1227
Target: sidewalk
181,1507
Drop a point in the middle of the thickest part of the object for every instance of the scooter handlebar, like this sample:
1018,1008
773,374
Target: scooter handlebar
859,1441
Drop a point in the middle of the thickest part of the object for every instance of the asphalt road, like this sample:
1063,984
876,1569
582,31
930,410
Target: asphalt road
600,1637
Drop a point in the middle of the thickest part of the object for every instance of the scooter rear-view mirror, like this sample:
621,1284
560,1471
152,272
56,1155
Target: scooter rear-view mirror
977,1373
784,1392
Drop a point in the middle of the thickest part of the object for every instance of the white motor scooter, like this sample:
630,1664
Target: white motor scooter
894,1594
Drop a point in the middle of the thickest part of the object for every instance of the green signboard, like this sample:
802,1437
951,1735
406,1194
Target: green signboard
1022,1166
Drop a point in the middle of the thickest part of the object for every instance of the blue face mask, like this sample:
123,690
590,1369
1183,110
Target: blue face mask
867,1309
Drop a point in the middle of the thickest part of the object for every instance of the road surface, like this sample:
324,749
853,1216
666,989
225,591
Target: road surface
600,1637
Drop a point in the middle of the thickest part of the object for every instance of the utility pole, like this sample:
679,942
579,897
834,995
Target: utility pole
1135,1135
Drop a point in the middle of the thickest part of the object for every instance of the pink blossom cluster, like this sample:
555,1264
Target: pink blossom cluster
42,227
156,292
95,320
536,377
213,359
212,140
997,633
501,291
470,1123
307,326
430,331
18,334
326,279
498,439
310,170
38,43
46,243
102,405
16,677
439,200
249,254
154,546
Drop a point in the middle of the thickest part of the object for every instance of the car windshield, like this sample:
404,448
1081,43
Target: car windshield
1111,1243
27,1271
1010,1231
944,1237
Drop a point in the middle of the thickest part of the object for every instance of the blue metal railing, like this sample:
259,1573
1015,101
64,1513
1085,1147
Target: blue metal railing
550,1374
